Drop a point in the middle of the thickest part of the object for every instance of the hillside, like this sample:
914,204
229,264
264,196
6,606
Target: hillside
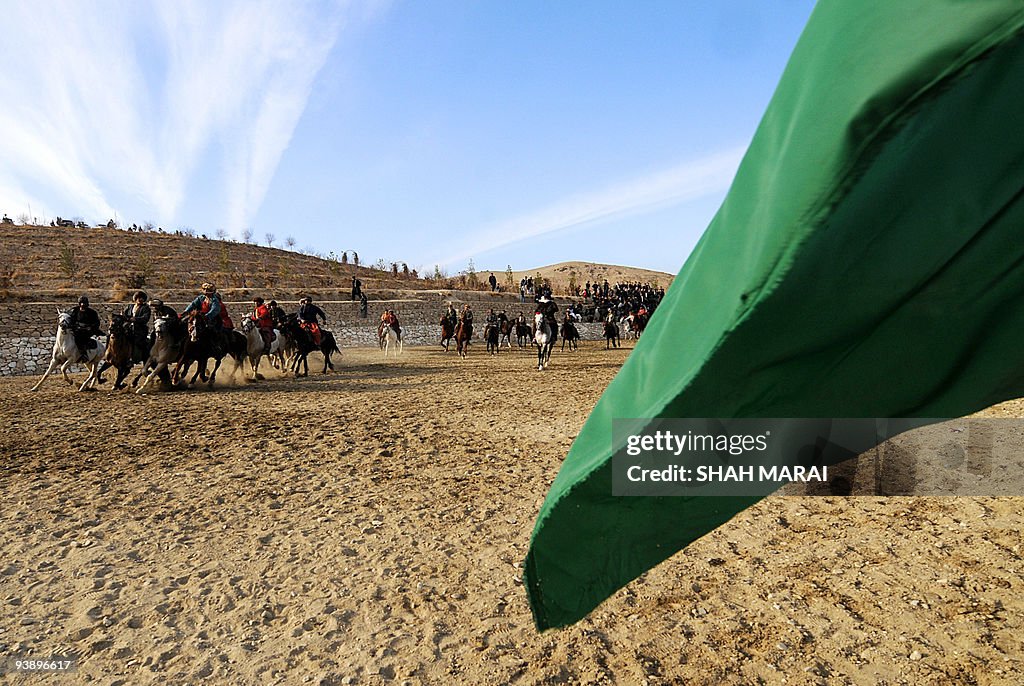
561,273
44,263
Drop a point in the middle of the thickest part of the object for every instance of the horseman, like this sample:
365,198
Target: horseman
451,315
547,307
277,314
492,318
264,321
85,323
467,318
207,305
138,314
389,318
309,316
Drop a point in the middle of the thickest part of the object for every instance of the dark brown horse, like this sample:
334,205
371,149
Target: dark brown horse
570,335
507,328
447,331
463,335
611,334
491,332
523,332
122,352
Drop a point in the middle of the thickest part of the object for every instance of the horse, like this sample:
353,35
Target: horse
611,334
507,326
65,353
491,332
636,324
463,336
170,335
447,331
206,343
255,348
570,335
523,332
543,339
302,343
328,345
122,352
390,340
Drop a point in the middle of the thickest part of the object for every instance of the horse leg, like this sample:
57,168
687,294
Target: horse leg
92,367
121,373
104,367
64,371
213,374
53,365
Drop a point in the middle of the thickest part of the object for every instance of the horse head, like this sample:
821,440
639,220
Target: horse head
247,323
63,320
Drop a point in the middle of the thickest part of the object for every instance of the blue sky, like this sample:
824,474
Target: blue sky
429,132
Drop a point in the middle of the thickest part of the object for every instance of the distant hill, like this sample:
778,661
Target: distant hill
561,273
45,263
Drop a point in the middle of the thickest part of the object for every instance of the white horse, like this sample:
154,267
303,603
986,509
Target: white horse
391,340
255,346
543,340
65,353
170,337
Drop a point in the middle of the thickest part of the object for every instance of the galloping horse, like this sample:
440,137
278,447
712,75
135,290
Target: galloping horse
255,348
65,353
207,343
570,335
543,339
170,336
491,332
122,353
447,331
391,340
611,334
304,344
463,335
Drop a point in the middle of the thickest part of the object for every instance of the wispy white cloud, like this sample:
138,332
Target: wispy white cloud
687,181
115,100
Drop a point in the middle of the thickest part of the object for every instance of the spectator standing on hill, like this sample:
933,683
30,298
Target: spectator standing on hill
493,280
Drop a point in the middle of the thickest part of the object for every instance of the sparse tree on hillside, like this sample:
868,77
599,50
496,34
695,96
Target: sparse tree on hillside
187,231
148,227
380,265
270,238
221,234
290,242
471,278
247,235
68,263
23,219
438,274
509,278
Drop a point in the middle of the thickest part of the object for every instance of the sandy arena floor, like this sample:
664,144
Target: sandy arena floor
366,527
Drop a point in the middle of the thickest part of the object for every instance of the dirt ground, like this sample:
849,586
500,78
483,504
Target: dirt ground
367,527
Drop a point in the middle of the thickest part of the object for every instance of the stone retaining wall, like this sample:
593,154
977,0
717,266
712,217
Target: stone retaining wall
27,329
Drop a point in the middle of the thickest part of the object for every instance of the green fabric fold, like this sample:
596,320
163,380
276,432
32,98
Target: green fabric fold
867,261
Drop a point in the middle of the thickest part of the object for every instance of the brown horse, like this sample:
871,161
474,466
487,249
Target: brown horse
611,334
463,335
447,332
508,327
122,352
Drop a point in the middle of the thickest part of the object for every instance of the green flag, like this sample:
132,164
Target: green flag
868,261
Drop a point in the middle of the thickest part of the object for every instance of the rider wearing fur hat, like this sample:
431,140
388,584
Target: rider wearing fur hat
138,314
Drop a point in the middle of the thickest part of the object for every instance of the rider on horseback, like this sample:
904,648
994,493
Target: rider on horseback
138,314
309,316
85,323
549,309
264,321
451,315
277,314
467,317
206,304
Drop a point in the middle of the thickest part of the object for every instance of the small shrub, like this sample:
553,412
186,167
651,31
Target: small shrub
68,263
